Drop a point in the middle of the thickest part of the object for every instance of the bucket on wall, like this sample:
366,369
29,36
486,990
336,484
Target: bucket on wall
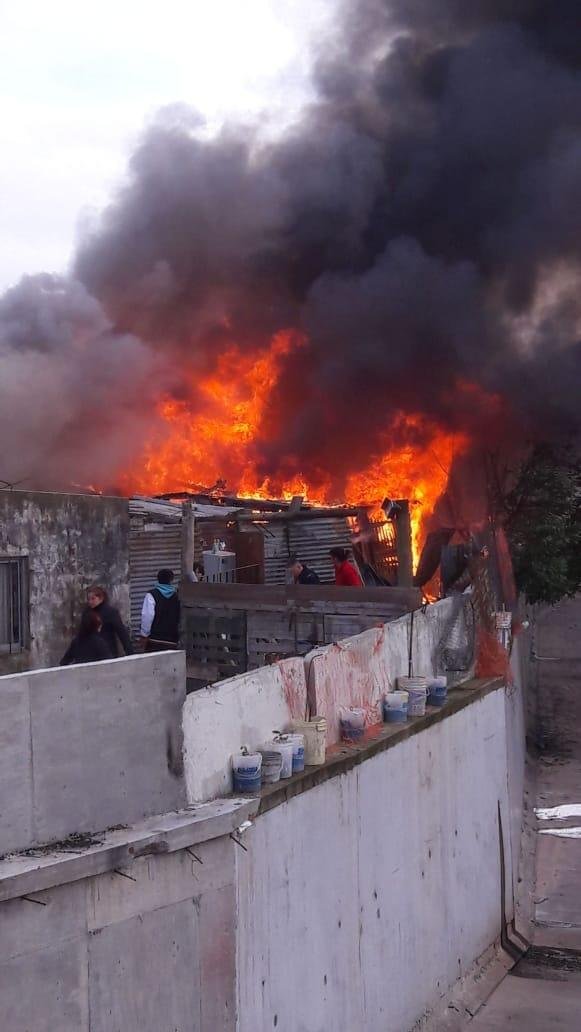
246,771
417,689
315,734
352,723
271,765
298,743
395,707
438,690
282,745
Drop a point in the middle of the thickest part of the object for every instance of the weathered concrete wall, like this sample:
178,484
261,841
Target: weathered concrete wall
146,948
359,671
243,710
71,541
362,901
86,747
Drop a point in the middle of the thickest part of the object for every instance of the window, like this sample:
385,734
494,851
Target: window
13,604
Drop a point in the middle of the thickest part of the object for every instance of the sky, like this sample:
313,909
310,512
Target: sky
78,84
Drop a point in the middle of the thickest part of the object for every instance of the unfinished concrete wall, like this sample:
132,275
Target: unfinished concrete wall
243,710
87,747
362,901
146,947
70,541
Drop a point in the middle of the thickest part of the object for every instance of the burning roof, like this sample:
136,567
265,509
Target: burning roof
352,311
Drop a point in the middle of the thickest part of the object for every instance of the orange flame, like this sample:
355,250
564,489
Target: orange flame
211,434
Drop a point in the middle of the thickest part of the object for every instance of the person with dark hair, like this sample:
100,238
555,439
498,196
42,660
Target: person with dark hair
346,576
114,630
301,573
160,615
89,645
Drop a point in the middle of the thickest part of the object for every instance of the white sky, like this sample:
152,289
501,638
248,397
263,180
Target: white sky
78,83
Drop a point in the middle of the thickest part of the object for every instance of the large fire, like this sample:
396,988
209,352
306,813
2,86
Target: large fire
210,434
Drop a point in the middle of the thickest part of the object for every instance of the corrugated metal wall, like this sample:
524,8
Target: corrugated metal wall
151,547
310,540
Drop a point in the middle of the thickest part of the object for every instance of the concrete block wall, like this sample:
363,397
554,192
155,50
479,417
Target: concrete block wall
244,710
87,747
377,938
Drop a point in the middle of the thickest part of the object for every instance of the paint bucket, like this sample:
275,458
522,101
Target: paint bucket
282,745
352,723
271,766
417,689
438,691
395,707
298,743
315,732
246,770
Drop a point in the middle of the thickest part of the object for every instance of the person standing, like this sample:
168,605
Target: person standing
113,630
346,576
301,573
160,615
89,645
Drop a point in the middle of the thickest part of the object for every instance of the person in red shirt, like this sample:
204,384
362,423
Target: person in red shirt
346,576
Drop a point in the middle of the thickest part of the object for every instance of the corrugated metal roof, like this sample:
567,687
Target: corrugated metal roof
139,506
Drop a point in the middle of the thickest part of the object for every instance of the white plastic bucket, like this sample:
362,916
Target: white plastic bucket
246,771
395,707
285,748
417,689
271,766
352,723
298,743
315,734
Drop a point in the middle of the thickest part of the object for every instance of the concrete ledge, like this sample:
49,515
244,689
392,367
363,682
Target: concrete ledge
44,868
344,757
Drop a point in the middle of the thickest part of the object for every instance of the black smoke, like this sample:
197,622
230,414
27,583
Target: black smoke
421,225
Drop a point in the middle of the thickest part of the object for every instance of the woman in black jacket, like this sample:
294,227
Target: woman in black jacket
114,630
89,645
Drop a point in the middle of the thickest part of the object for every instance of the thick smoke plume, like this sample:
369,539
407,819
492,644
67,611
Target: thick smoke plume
421,226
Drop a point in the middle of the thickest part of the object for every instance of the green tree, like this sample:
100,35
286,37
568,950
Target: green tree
543,524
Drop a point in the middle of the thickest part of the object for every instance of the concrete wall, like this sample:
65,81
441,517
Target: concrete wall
148,949
243,710
86,747
362,901
359,671
71,541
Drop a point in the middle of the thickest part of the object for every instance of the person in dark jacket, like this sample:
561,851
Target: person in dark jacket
160,615
301,573
89,645
114,630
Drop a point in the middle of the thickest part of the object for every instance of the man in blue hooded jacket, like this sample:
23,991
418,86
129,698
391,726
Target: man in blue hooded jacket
160,615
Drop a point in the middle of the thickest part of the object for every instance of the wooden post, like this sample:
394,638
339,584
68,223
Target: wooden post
403,537
187,570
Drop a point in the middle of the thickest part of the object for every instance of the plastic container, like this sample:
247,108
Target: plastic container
282,745
315,732
246,771
352,723
395,707
417,689
271,766
298,743
438,691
